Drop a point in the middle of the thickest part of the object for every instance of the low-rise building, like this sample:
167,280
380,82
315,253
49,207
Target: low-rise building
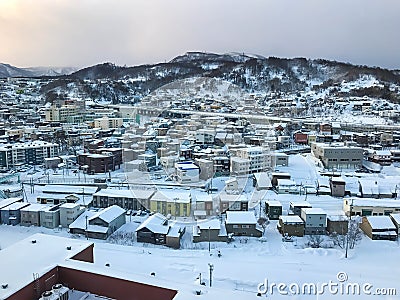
242,223
337,155
11,214
30,215
273,209
50,216
296,206
69,212
187,172
291,226
315,220
171,202
379,228
99,224
338,224
209,231
135,199
370,207
338,186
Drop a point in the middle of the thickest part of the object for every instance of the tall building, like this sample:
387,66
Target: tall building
31,153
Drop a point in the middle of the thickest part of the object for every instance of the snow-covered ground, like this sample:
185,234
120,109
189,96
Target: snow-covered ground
246,263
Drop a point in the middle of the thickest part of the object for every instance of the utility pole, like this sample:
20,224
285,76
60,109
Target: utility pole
209,239
83,196
347,237
211,270
86,217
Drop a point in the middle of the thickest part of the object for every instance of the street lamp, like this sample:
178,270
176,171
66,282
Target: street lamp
211,270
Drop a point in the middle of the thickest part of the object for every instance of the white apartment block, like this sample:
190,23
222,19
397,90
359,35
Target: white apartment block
255,159
61,113
107,122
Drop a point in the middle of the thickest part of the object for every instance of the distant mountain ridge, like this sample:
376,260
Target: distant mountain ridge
7,70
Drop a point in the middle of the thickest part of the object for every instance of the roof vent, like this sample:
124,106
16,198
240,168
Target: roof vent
69,248
33,241
4,286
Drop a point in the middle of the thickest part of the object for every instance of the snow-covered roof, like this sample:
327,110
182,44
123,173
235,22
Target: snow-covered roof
292,219
69,205
47,252
300,204
34,207
212,224
368,202
155,223
381,222
108,214
8,201
16,206
172,195
240,217
313,211
396,218
131,193
69,189
273,203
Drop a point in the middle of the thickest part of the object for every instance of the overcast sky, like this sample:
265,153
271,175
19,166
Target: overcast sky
129,32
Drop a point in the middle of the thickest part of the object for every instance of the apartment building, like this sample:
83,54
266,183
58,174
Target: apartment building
250,160
172,202
31,153
107,122
62,113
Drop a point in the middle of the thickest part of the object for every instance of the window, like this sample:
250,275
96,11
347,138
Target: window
235,226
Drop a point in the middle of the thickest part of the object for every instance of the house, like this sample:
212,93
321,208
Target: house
382,157
57,198
375,187
396,221
300,137
273,209
11,214
286,186
277,175
153,230
202,205
261,181
314,219
172,202
232,202
279,159
187,172
290,226
370,207
337,223
69,212
379,228
99,224
296,206
242,223
209,230
30,215
337,186
156,229
6,202
231,185
174,235
136,199
50,216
